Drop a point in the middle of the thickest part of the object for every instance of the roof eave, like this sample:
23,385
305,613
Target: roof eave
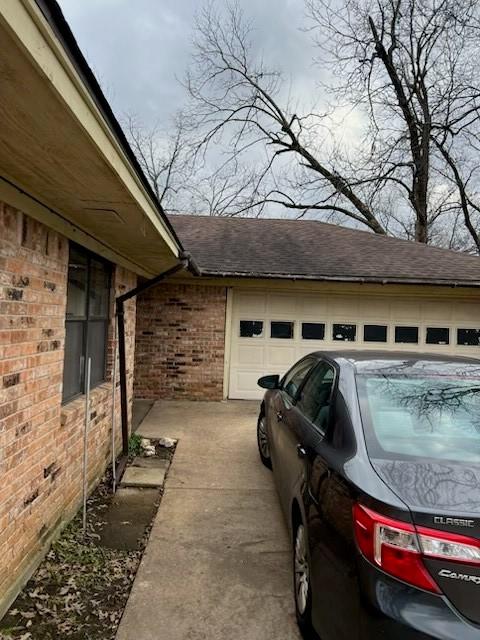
212,273
52,13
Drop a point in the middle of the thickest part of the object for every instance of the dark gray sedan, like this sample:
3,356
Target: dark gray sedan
376,458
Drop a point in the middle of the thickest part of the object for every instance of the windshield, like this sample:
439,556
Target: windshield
413,415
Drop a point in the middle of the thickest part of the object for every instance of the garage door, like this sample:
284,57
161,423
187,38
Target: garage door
271,330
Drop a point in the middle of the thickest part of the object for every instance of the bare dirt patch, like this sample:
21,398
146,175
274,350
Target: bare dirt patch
81,588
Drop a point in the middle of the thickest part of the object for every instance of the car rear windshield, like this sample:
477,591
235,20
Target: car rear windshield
434,414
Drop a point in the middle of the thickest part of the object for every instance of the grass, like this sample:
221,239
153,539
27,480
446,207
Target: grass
134,445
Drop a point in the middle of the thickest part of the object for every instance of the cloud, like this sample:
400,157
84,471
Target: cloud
139,49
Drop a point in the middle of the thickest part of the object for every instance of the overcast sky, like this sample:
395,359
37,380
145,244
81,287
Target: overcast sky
137,48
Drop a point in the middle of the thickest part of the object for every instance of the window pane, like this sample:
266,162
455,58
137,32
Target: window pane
374,333
436,335
73,359
346,332
407,335
314,401
313,330
469,337
99,289
77,284
281,330
430,414
294,378
96,350
251,328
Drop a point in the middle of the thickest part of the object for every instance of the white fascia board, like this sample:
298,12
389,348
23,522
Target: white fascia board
33,32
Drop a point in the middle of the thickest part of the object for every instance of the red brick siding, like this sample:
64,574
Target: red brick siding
41,441
180,342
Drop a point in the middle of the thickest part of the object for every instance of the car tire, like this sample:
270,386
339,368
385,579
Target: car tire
301,582
262,441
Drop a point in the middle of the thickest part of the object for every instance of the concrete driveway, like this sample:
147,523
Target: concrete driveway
218,562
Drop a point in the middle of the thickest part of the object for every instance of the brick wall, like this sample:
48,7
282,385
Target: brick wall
41,441
180,342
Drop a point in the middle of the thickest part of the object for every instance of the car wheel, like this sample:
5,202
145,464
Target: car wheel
301,582
262,440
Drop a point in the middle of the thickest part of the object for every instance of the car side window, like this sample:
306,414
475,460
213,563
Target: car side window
294,378
315,398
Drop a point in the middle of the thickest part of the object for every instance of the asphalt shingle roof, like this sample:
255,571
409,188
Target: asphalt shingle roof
308,249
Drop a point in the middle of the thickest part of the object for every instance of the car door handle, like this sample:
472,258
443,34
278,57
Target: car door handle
301,451
279,416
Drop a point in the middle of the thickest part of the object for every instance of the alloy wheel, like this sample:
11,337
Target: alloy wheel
302,570
263,438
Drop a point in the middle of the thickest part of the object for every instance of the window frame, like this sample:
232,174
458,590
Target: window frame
314,365
256,337
407,326
290,322
433,327
376,324
311,323
344,324
458,328
86,320
331,401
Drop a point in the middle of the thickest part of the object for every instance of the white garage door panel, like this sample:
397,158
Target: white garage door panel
251,354
313,306
280,355
466,311
251,358
282,305
253,302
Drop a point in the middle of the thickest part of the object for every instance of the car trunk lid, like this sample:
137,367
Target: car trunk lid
444,501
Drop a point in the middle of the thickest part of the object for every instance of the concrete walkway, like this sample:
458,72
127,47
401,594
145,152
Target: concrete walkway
218,563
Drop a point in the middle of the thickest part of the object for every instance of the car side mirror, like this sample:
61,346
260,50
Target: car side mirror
269,382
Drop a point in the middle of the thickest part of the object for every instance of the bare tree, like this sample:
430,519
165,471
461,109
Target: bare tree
181,185
408,70
161,156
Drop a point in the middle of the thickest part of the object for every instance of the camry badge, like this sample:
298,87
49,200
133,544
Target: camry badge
455,522
446,573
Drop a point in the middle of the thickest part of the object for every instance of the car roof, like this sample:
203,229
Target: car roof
354,356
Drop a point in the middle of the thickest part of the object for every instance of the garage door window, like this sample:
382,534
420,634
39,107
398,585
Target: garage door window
468,337
375,333
283,330
406,335
251,328
313,330
438,335
345,332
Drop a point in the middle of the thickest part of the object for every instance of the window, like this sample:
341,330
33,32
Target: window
436,335
282,330
429,411
374,333
86,324
346,332
468,337
251,328
294,378
314,401
407,335
313,330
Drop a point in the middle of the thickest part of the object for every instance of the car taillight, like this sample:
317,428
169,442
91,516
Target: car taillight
449,546
391,545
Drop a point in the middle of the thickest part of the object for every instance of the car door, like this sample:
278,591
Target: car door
327,503
308,422
280,422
